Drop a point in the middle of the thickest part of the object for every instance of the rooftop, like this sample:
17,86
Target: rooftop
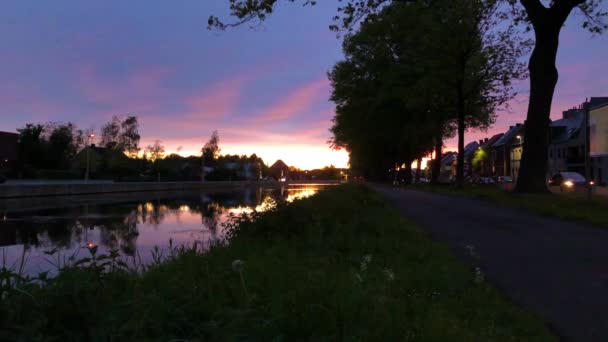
509,135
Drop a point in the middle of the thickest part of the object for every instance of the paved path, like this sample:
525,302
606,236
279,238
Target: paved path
556,269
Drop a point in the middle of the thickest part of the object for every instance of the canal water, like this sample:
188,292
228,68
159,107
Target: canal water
140,228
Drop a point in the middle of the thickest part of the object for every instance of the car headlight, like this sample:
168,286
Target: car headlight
568,183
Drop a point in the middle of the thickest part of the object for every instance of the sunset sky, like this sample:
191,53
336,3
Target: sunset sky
265,89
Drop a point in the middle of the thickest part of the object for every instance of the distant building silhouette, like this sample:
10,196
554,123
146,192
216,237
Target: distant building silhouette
279,169
8,150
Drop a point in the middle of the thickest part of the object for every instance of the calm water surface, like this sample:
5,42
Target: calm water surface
134,227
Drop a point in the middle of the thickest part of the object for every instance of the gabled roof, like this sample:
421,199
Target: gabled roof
598,102
567,128
509,135
470,149
599,106
492,140
448,157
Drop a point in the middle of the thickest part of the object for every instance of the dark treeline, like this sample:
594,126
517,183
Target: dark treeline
56,150
416,74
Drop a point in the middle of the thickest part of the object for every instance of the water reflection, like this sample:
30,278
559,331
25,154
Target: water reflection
134,228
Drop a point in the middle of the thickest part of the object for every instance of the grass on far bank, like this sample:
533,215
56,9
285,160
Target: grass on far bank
567,206
339,266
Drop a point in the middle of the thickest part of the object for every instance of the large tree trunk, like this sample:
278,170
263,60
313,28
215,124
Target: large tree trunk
408,172
436,166
547,25
461,127
418,171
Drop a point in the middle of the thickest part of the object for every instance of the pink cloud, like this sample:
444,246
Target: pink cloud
217,100
139,91
295,103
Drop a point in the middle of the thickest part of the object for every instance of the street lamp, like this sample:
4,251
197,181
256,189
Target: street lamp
89,137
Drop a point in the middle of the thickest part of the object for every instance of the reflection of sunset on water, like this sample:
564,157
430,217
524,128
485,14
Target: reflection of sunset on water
133,228
295,194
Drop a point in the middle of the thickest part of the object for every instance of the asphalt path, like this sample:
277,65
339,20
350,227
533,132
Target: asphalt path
553,268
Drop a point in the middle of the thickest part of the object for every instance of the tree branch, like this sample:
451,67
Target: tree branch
534,9
561,9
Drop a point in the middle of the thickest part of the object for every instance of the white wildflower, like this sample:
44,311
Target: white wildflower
237,265
471,250
390,275
479,276
365,262
358,277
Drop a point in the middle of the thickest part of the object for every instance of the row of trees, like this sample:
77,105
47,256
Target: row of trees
50,149
417,73
544,17
59,150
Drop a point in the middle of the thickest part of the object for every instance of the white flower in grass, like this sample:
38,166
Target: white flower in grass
237,265
479,276
365,262
472,251
389,274
358,277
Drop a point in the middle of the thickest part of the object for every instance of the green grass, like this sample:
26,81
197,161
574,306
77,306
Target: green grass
567,206
339,266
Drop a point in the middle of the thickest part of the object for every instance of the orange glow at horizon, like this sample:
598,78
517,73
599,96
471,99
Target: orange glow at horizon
302,156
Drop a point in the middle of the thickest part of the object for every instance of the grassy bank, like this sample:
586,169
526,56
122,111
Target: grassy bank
568,206
340,266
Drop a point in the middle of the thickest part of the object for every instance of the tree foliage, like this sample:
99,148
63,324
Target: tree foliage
48,146
416,72
155,151
544,17
211,149
352,12
121,134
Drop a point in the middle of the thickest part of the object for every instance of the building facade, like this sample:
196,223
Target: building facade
482,162
517,149
501,151
567,144
598,138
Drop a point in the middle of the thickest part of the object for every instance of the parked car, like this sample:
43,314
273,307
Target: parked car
567,180
486,180
505,179
359,179
423,180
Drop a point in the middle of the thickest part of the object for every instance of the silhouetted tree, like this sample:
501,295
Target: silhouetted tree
129,136
155,151
110,134
545,17
62,145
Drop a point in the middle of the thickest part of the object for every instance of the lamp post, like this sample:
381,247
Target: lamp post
86,174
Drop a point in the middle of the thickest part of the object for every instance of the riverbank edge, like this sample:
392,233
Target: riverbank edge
8,191
388,281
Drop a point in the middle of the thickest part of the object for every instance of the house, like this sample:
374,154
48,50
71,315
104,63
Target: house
501,151
8,150
598,140
567,142
469,153
517,149
482,161
447,170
